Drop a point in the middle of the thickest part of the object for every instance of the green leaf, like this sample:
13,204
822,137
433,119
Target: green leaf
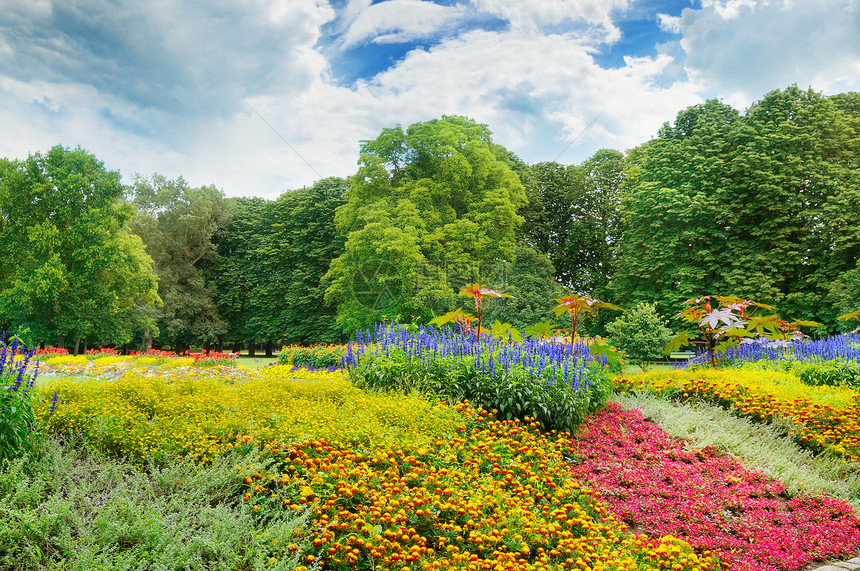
679,341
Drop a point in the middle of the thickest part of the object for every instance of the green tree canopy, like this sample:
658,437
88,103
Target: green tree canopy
69,267
573,217
427,207
177,223
762,206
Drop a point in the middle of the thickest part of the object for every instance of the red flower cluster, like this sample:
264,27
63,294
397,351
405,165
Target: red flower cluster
53,351
744,517
104,351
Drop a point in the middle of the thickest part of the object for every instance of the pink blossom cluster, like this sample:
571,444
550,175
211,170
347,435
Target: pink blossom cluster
652,482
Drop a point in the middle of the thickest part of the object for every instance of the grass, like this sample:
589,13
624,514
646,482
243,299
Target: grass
256,362
75,509
763,447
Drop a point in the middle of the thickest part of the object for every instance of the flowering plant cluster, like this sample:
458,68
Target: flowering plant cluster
52,351
102,352
208,358
650,480
497,496
558,384
316,356
18,426
197,413
824,418
726,321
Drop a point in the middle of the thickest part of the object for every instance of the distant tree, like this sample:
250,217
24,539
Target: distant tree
427,207
69,267
530,279
573,217
301,240
238,269
641,333
177,224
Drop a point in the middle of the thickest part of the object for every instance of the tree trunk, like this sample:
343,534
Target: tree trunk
251,349
206,346
61,342
77,346
146,345
237,347
269,353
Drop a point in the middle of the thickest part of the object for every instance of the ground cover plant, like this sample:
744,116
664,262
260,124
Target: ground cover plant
72,508
744,516
824,418
762,447
160,416
557,384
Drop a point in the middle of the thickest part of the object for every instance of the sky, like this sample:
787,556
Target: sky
260,97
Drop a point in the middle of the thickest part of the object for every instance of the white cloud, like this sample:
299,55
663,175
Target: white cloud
534,110
669,23
397,20
742,50
536,14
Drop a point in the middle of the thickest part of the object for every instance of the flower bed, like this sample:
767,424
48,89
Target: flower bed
199,413
650,480
557,384
825,418
499,496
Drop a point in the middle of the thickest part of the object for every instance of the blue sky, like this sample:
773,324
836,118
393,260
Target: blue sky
261,97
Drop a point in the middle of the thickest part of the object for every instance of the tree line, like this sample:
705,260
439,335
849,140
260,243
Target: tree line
763,205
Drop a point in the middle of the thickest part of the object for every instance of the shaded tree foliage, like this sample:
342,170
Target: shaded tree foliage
69,267
273,255
573,217
177,224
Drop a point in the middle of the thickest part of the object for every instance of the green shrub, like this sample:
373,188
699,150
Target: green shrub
316,356
835,373
641,333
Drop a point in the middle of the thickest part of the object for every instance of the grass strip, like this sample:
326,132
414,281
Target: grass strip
763,447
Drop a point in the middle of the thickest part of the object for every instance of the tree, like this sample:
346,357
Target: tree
573,217
427,208
177,223
530,280
69,266
239,266
300,242
761,206
641,333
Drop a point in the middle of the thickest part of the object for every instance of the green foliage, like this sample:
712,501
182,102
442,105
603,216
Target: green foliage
427,208
763,205
835,373
641,334
69,267
178,223
574,217
76,510
317,356
514,393
294,245
530,281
